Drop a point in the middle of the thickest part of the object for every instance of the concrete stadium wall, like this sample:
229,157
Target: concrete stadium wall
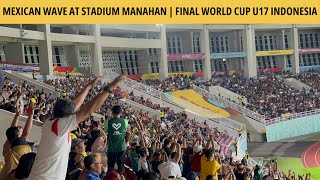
225,93
293,128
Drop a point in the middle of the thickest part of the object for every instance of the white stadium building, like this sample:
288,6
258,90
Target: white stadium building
145,49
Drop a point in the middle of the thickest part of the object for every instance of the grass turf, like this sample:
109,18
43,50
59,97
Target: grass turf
295,164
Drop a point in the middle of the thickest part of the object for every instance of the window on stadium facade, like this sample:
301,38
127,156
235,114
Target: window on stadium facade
198,65
289,61
266,62
175,66
309,39
219,43
197,49
241,44
196,43
58,56
219,65
154,67
286,41
174,45
2,53
31,54
265,42
129,62
152,51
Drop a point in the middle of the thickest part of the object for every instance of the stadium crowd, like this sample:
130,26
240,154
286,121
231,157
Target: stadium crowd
127,145
311,78
267,95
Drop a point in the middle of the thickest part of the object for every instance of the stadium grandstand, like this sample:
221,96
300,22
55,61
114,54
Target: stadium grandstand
158,102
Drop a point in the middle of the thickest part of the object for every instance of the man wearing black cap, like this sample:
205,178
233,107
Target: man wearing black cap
116,128
52,158
77,147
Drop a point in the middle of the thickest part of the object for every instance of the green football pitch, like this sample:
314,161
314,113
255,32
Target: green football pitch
295,164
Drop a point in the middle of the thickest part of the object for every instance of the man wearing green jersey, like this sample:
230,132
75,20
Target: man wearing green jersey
116,128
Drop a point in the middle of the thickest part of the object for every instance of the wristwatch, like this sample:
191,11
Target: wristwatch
107,89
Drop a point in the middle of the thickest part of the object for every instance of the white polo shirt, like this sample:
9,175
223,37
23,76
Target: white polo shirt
53,153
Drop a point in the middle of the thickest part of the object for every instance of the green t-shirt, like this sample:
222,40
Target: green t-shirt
116,128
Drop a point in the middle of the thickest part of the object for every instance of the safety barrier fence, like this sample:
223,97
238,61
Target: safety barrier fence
292,116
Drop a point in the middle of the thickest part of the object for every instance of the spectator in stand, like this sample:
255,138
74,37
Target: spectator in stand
25,164
267,95
113,175
170,169
67,74
52,159
311,78
242,172
210,163
150,176
79,167
94,167
195,159
18,144
116,128
34,75
170,137
77,147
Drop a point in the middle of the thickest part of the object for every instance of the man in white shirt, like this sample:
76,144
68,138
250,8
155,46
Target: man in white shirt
52,159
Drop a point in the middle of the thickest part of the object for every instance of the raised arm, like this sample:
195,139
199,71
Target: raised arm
78,100
129,136
208,144
95,103
27,128
178,154
16,117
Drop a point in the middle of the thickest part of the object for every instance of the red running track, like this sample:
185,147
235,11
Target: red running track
311,156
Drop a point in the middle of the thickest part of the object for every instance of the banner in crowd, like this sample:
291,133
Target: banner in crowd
274,52
305,68
270,70
178,57
61,71
228,55
19,67
309,50
157,76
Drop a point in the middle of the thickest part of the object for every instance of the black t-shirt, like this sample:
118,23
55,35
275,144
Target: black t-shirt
71,162
74,175
168,151
186,165
241,176
154,165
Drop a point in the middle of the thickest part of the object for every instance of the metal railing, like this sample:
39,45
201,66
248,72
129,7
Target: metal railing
135,85
229,123
232,105
243,139
292,116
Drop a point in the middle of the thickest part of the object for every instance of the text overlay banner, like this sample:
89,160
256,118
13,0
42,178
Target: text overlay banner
160,12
